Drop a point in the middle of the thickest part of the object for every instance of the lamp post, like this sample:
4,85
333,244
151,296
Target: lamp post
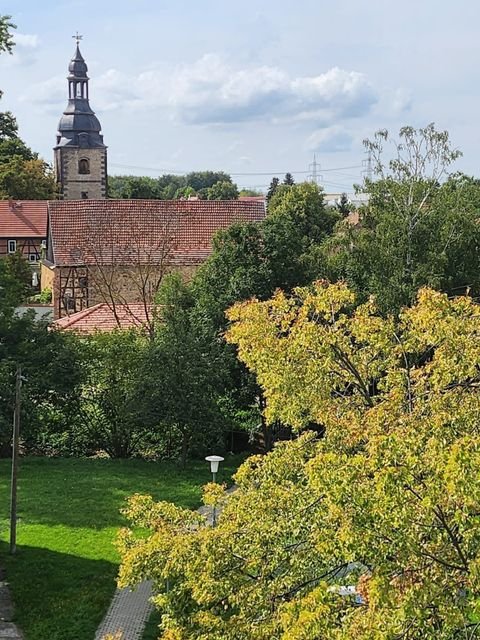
214,463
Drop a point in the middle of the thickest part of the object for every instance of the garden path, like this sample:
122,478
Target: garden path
128,613
130,609
8,630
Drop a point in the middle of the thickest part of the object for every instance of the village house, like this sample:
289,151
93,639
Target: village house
23,228
117,251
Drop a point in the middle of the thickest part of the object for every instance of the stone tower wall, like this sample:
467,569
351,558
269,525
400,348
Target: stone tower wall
73,185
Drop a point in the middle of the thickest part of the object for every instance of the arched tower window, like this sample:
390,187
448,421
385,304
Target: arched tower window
84,166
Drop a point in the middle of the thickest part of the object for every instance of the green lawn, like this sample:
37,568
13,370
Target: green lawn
63,575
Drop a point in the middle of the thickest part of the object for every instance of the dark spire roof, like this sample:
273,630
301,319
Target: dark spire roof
77,67
79,126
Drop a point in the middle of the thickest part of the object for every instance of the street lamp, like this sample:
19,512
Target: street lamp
214,462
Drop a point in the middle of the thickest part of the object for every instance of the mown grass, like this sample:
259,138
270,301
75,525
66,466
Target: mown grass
63,575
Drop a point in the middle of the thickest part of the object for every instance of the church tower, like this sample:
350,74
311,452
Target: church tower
80,154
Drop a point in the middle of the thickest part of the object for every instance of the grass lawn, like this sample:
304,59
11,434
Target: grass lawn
63,575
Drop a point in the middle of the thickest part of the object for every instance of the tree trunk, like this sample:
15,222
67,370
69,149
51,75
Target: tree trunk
184,453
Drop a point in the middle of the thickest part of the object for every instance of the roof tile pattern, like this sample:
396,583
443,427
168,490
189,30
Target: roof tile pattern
101,317
23,218
177,232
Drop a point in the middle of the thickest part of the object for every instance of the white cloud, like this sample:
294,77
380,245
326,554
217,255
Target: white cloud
211,91
113,90
330,140
401,101
26,40
50,95
25,50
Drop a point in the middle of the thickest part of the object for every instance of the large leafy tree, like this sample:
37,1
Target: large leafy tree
420,227
236,270
253,260
23,179
133,187
224,190
297,222
183,375
200,180
370,531
49,362
272,188
111,396
6,37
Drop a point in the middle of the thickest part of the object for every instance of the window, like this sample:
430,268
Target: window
84,195
32,257
12,246
68,303
84,166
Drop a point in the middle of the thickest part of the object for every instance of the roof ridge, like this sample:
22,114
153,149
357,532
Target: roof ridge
83,313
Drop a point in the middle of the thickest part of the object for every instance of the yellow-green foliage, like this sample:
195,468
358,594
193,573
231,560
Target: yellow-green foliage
388,501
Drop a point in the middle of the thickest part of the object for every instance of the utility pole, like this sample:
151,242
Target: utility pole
313,168
368,171
15,443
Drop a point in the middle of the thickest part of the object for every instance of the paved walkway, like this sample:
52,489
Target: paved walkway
128,613
8,630
130,609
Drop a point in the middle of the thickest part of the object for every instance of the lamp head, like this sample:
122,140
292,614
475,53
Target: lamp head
214,462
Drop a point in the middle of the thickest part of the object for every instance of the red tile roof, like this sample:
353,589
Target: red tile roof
179,232
252,198
23,218
100,317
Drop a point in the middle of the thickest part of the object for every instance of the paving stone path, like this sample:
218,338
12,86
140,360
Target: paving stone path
130,609
128,613
8,630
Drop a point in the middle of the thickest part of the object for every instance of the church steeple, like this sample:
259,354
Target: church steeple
80,154
78,117
77,77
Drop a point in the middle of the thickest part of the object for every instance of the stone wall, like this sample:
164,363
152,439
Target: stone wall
88,287
78,186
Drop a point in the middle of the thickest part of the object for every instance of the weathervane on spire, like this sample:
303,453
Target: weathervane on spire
77,37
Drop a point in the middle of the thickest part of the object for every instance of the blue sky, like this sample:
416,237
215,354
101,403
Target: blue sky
248,87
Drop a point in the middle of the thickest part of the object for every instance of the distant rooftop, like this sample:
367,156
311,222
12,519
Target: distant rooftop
84,232
102,317
23,218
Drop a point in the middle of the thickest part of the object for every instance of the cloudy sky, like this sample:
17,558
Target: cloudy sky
254,88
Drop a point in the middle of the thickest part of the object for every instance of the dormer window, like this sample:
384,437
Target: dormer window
84,166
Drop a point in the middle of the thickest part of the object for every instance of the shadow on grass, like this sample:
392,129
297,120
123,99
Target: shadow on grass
152,632
64,597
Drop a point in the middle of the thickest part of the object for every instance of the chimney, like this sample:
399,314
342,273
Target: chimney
14,206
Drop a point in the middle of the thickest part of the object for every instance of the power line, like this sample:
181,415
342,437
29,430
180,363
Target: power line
250,173
336,185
